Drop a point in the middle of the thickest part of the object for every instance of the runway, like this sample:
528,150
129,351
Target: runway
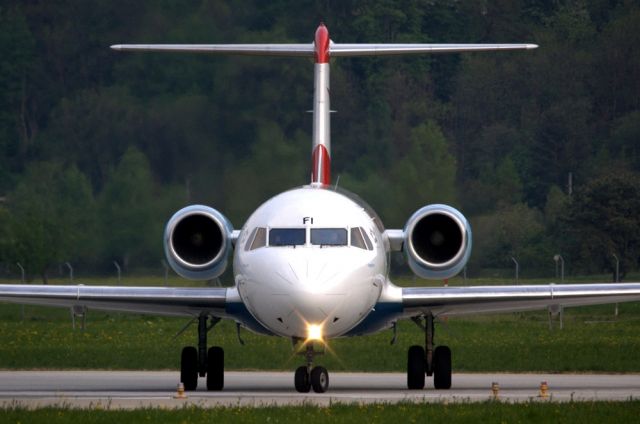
134,389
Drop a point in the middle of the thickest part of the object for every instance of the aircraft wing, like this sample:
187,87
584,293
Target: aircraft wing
179,301
485,299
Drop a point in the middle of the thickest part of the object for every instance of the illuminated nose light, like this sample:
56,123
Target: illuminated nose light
314,332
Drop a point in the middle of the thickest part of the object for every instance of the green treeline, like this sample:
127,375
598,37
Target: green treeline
541,149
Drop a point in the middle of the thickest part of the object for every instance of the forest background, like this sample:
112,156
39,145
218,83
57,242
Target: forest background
540,149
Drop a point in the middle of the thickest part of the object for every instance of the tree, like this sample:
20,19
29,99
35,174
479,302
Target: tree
275,164
616,70
131,227
424,175
92,130
16,63
52,218
519,121
623,143
515,230
603,220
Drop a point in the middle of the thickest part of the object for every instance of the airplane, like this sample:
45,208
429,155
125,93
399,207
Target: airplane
312,263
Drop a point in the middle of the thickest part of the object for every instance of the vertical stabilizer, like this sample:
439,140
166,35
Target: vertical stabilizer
321,153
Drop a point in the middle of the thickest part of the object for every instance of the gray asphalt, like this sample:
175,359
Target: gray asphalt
133,389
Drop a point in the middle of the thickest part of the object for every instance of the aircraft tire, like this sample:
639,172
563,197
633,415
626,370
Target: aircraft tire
302,380
319,379
189,368
215,368
442,368
416,368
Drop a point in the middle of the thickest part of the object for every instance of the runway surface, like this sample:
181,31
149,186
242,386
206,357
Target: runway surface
133,389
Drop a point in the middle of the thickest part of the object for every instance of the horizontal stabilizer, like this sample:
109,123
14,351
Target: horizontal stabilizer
307,50
395,49
239,49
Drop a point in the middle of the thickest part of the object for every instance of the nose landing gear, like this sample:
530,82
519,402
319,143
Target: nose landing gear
308,377
427,360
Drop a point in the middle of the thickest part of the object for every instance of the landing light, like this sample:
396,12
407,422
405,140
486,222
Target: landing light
314,332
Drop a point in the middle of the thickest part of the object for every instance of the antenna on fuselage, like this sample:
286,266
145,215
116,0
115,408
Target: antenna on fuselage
322,49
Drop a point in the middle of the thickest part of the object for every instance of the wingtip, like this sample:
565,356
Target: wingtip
532,46
116,47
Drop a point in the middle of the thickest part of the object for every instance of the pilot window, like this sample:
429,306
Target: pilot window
360,239
329,236
260,240
367,240
252,236
257,239
287,236
356,239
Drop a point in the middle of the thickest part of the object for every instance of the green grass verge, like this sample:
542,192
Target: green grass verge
592,340
490,412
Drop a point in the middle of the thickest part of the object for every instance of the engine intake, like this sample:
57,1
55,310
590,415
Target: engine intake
437,242
197,242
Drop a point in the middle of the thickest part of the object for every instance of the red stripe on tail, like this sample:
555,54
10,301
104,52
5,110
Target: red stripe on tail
322,44
321,165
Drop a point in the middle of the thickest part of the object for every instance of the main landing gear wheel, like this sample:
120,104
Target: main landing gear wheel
189,368
416,368
198,362
215,368
442,368
429,361
302,380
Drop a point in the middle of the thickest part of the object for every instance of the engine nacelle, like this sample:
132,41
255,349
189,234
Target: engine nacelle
437,242
197,242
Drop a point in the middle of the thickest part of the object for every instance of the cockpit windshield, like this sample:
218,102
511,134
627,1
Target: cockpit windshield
287,236
319,237
329,236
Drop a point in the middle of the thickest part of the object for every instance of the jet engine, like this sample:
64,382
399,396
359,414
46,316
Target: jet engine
437,242
197,242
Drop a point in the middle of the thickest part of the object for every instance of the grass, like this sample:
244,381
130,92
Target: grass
592,340
489,412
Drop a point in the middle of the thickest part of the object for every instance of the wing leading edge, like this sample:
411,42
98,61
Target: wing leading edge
487,299
154,300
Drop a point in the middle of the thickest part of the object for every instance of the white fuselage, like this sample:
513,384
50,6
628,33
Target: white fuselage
310,256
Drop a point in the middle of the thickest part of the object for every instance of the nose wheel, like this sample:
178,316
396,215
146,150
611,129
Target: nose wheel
302,379
428,361
319,379
309,377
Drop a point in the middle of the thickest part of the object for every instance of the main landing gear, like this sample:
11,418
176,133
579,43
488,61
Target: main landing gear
307,377
428,361
200,362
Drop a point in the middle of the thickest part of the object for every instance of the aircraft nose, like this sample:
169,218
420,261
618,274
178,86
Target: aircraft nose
316,308
332,302
318,293
302,293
